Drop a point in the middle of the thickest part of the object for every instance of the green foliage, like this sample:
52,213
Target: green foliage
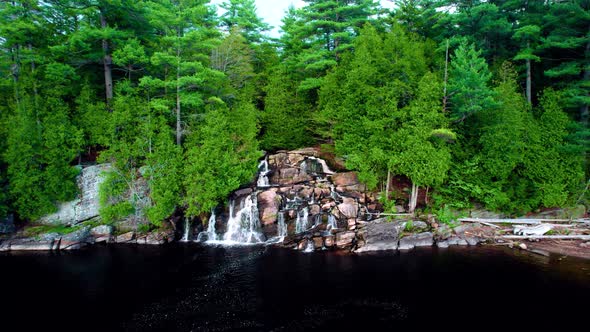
112,197
241,14
36,231
164,178
448,216
373,92
286,119
221,156
468,83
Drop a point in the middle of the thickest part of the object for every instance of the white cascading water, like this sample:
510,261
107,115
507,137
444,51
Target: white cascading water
187,227
282,226
332,223
212,236
302,220
317,220
263,176
244,227
333,193
310,247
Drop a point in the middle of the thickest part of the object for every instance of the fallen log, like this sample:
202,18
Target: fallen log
481,222
519,221
544,237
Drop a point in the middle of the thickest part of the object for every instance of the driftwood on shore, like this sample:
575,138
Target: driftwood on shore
545,237
520,221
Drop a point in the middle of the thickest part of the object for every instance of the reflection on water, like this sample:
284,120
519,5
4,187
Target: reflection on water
196,288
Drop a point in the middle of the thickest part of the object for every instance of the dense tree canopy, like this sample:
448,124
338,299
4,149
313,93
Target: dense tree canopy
476,102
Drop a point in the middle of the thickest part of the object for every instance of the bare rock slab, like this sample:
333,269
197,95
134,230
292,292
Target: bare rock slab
380,236
416,240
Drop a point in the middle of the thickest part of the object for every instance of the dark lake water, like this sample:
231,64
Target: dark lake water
194,288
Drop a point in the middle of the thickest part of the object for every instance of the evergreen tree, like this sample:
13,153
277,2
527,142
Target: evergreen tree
286,120
221,156
326,29
241,14
468,83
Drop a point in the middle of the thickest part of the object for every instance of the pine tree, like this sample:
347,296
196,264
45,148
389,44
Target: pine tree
241,15
468,83
221,156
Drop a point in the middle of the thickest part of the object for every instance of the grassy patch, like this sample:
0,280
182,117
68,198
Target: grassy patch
46,229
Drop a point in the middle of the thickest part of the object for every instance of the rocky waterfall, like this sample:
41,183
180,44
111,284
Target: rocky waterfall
296,201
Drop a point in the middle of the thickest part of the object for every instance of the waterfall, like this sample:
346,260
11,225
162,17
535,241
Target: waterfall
210,234
301,222
211,226
263,176
187,228
310,247
332,222
317,219
244,227
333,193
282,227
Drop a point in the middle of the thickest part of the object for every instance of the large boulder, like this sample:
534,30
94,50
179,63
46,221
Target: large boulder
345,239
85,206
268,206
102,230
345,179
416,240
29,245
380,236
348,208
75,239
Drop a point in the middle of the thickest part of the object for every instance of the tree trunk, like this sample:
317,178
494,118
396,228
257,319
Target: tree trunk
446,78
413,198
584,112
178,123
529,97
107,63
15,71
387,185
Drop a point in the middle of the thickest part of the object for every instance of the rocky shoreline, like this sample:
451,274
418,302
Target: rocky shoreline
296,202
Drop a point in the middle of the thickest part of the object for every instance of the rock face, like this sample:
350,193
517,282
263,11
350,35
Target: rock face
380,236
345,179
345,239
416,240
269,204
85,207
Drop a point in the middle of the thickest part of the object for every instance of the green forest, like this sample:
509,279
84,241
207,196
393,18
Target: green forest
478,102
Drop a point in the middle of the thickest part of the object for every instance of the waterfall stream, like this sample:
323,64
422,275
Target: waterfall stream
187,228
263,176
332,223
244,227
282,227
301,224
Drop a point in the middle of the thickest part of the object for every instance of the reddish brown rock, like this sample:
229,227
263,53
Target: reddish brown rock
306,193
318,242
314,209
125,238
344,239
268,206
329,241
349,208
351,224
345,179
328,206
310,152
